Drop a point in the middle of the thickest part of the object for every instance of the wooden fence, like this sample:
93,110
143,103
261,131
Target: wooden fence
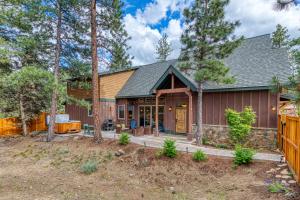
288,138
13,126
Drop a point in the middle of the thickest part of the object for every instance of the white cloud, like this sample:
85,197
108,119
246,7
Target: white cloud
257,17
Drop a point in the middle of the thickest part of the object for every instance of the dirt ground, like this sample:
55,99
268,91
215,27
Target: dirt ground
31,169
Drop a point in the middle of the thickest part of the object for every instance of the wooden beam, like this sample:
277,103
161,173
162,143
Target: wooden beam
190,112
156,114
171,91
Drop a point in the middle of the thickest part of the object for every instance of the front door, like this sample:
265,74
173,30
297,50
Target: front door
180,120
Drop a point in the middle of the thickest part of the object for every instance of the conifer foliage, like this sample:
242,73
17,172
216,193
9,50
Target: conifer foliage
207,40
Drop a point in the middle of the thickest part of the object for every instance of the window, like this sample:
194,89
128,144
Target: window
121,111
130,112
90,108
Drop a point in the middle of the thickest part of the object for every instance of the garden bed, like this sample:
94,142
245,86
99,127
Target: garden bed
31,169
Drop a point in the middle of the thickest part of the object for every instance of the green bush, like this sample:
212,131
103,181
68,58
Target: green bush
240,123
169,148
89,167
124,139
243,155
221,146
277,187
199,156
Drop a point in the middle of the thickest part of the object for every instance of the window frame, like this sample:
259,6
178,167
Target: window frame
124,117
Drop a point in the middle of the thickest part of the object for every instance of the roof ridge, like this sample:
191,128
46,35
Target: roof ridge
249,38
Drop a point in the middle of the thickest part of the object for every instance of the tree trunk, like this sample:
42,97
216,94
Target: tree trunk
23,118
56,74
199,133
96,103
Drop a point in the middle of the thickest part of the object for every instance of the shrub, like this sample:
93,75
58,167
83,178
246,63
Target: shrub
240,123
277,187
89,167
243,155
169,148
124,139
199,156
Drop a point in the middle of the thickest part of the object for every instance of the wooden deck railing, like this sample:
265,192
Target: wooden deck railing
288,138
13,126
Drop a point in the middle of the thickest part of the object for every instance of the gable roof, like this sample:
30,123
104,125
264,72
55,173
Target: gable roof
253,64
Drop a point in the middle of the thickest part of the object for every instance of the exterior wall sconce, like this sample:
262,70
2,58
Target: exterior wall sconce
170,108
273,108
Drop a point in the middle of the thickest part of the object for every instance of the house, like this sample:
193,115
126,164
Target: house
160,95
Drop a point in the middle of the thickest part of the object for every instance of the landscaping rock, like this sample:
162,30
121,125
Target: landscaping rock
277,169
271,171
285,177
284,172
172,189
120,152
282,165
292,182
284,182
278,176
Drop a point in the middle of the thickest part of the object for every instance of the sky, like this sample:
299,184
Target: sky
146,21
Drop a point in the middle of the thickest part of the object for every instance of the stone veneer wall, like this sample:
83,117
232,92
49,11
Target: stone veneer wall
259,138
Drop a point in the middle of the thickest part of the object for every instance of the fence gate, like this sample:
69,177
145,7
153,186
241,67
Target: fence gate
288,141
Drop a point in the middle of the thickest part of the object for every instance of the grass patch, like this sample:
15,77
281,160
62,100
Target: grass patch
277,188
199,155
89,167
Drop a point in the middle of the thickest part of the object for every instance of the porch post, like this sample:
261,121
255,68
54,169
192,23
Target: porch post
156,114
190,112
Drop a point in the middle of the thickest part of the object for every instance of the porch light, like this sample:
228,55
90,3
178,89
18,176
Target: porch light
170,108
273,108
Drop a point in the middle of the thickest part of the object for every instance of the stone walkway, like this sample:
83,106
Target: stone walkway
184,145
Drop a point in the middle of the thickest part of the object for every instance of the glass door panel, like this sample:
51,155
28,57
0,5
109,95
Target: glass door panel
141,115
147,115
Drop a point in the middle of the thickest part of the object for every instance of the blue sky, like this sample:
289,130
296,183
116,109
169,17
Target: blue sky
146,21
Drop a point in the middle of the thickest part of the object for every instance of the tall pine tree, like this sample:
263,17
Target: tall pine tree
120,59
280,36
163,48
207,41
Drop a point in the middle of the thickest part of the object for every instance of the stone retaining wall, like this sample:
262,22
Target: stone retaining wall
259,138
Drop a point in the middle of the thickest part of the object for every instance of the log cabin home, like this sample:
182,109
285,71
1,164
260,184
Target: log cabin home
160,97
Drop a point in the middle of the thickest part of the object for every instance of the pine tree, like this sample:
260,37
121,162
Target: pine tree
163,48
120,58
95,75
207,42
280,36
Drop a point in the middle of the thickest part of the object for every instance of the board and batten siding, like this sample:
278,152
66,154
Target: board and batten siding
263,102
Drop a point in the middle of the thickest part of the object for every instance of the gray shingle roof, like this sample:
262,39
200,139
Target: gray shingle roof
253,64
144,78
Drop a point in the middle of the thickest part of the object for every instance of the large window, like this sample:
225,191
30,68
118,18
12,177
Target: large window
147,115
121,111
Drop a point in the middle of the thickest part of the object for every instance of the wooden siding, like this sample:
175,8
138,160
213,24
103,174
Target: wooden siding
262,102
110,85
107,111
214,106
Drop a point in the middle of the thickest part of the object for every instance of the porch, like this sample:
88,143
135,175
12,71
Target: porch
169,109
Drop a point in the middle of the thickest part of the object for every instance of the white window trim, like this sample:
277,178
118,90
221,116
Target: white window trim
123,105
